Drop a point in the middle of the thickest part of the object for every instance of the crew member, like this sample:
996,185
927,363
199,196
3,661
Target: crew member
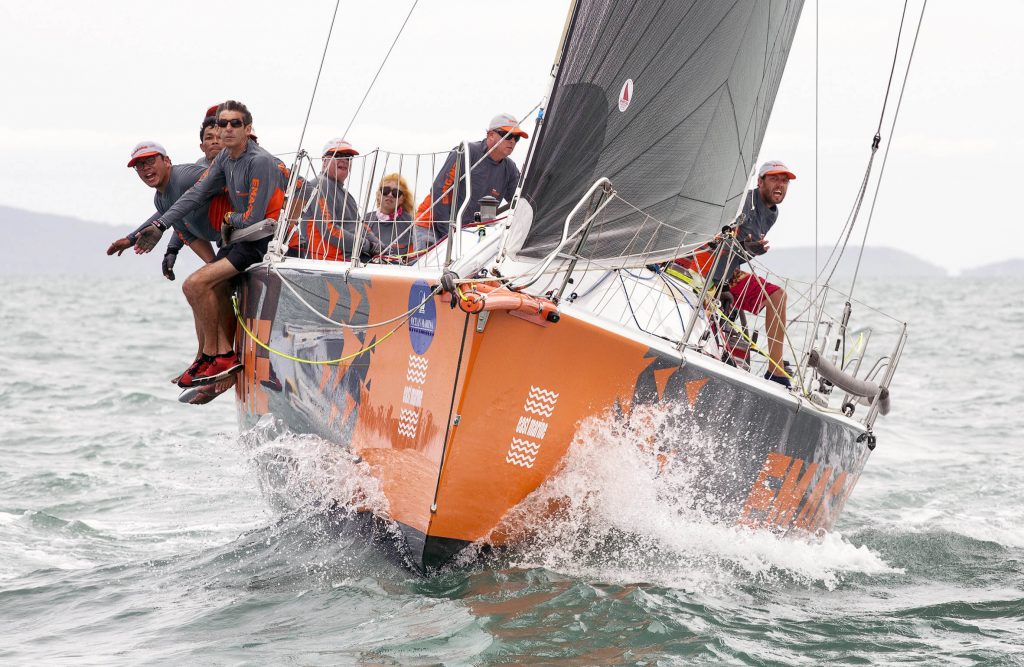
328,224
750,293
209,141
255,186
493,173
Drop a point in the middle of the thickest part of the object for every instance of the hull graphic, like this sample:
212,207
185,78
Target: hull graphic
461,416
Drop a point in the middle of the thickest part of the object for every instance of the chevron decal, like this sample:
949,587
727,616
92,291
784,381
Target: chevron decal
412,396
417,371
408,420
541,403
522,453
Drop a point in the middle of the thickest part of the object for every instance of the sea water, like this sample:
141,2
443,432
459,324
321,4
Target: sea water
133,528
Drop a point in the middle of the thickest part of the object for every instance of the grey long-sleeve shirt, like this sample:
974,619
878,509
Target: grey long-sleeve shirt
255,186
498,179
194,225
330,218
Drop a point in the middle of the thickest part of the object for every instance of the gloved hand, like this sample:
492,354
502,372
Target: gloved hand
148,238
167,266
119,246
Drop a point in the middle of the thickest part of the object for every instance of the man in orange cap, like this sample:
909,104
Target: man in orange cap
331,215
493,173
750,293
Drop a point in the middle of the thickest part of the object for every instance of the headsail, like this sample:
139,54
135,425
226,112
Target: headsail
670,101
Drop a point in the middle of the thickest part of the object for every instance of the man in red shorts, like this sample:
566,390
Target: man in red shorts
750,293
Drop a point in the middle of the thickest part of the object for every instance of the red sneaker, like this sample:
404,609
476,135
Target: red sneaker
218,369
186,379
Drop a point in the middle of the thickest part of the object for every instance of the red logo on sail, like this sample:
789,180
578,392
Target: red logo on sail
626,95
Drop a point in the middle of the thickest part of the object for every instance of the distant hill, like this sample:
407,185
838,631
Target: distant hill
1009,268
877,262
59,244
56,244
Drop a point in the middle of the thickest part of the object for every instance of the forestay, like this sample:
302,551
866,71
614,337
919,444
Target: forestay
669,100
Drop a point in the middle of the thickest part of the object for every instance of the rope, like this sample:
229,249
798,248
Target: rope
329,362
359,327
379,69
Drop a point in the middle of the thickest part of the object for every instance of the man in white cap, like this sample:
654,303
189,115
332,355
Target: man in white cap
198,229
493,173
750,293
331,214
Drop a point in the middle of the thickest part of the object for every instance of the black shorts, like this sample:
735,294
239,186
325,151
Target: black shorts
244,254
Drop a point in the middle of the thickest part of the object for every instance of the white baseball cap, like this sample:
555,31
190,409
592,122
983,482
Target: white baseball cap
774,167
506,123
338,145
144,149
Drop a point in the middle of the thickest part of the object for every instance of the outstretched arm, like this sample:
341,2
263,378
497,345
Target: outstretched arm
125,242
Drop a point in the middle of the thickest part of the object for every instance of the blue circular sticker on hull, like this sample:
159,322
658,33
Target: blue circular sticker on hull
424,318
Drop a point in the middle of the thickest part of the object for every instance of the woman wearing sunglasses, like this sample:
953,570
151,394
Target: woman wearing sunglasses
391,222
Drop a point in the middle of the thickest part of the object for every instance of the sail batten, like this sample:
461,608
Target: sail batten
669,100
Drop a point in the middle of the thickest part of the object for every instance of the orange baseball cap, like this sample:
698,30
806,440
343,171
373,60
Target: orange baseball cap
774,167
506,124
144,149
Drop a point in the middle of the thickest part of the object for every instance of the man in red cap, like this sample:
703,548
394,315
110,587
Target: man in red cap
748,292
198,229
493,173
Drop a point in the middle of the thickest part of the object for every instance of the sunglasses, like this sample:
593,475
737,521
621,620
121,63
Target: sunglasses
145,162
514,138
388,192
234,122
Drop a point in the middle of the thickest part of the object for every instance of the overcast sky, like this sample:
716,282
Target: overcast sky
83,82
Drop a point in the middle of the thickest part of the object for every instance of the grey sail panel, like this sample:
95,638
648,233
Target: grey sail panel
704,78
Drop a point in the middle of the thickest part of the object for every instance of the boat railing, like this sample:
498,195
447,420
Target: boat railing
333,214
826,354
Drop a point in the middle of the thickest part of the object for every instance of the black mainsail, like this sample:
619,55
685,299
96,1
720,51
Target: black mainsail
669,100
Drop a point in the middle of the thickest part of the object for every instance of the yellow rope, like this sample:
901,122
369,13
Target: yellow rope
854,349
338,362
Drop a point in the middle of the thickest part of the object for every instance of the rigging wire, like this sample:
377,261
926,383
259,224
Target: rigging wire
839,248
323,57
885,156
379,69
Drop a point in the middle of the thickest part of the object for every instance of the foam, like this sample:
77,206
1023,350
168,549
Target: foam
626,517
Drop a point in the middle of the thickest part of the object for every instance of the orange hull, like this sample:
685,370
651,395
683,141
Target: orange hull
461,416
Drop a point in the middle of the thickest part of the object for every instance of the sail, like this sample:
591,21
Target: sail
667,99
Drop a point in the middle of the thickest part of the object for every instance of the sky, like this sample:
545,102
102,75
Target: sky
84,82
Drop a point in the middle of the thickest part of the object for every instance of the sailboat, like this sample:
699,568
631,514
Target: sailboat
460,377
